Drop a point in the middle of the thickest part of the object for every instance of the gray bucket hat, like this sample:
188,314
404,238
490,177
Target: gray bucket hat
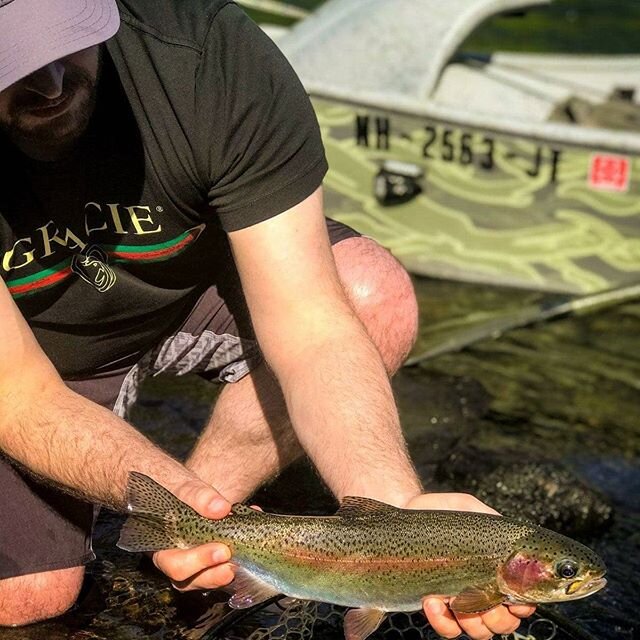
34,33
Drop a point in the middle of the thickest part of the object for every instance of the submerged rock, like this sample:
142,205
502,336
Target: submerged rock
545,492
438,411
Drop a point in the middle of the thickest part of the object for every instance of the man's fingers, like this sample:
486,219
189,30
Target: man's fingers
211,578
521,610
204,566
204,499
473,625
499,620
441,618
181,565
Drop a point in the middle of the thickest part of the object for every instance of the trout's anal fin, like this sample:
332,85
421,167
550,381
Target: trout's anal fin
249,590
360,623
354,506
478,599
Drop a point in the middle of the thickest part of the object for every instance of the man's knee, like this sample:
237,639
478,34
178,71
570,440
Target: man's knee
382,294
38,596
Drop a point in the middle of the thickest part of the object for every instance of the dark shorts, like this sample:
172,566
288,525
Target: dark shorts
42,529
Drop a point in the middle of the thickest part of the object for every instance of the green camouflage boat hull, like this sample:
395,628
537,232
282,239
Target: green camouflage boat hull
484,206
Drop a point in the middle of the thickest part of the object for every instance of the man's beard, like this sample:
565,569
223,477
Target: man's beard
23,126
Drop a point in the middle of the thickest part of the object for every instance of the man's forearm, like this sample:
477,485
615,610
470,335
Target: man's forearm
333,379
70,441
344,414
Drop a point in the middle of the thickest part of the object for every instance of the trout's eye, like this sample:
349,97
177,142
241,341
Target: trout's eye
567,569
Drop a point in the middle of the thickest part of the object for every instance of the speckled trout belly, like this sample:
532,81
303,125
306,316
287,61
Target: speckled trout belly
371,556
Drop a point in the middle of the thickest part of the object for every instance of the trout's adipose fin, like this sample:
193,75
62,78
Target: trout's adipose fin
478,599
354,506
154,515
240,509
360,623
249,590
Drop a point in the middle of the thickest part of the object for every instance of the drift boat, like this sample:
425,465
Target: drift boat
511,169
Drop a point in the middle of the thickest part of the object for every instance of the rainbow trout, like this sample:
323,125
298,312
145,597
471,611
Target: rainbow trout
370,556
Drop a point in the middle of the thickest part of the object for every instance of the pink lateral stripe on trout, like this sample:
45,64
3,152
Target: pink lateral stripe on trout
371,556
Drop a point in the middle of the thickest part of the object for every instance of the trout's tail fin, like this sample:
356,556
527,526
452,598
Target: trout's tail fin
155,517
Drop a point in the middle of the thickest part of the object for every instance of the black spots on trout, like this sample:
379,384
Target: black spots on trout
357,506
155,517
145,495
242,509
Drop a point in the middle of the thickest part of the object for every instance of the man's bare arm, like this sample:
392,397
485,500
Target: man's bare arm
333,378
78,445
61,436
335,384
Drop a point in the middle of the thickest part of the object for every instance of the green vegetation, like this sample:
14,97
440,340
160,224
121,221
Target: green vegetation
565,26
265,17
305,4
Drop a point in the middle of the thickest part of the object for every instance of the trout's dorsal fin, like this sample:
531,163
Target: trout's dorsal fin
354,506
249,590
240,509
360,623
478,599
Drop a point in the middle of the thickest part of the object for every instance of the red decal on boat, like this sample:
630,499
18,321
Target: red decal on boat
610,173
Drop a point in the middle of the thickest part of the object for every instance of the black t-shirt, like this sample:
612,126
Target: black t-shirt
200,128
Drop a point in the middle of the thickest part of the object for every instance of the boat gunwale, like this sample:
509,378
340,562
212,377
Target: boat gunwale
567,135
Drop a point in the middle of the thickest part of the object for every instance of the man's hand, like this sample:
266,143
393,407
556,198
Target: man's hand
479,626
206,566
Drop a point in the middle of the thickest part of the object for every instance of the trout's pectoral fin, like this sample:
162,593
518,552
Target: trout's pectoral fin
249,590
477,599
360,623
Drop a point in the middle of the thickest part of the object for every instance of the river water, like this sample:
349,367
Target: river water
564,392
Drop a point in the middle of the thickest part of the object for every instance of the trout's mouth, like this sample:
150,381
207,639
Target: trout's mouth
582,588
